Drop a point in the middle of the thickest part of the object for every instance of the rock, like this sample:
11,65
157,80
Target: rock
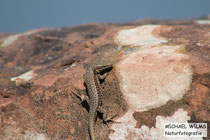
161,74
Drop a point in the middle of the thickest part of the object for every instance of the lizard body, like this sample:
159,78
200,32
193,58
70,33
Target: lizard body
92,81
94,100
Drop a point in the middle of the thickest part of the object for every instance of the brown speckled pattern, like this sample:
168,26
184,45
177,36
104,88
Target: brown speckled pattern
94,100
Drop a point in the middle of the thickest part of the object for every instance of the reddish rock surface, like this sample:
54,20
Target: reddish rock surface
160,71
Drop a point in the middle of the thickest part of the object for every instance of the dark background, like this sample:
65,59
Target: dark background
23,15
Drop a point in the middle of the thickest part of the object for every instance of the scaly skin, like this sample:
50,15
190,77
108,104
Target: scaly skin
92,84
94,100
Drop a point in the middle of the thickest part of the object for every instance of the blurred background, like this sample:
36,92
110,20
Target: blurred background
23,15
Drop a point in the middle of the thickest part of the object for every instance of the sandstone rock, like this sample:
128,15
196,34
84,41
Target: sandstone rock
161,74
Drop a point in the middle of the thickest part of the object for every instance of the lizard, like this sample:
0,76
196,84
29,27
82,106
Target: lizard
92,80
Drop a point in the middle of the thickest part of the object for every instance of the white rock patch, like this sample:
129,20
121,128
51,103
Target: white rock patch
9,40
140,36
127,128
24,77
29,135
12,38
203,21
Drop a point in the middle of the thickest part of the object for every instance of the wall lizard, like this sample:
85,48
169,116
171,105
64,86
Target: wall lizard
92,81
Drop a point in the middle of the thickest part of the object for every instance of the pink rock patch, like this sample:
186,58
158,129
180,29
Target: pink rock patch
151,77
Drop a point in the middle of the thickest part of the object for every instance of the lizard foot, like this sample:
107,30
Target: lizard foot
110,119
107,119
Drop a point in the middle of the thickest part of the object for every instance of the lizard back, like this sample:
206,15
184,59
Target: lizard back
94,100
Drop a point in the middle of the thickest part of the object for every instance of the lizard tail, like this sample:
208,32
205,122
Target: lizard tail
92,129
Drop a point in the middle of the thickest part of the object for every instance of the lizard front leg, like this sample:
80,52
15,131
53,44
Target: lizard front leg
102,76
82,95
